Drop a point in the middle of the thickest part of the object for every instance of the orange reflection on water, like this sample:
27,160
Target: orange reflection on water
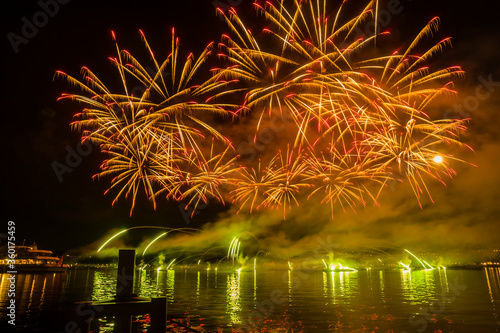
31,291
493,280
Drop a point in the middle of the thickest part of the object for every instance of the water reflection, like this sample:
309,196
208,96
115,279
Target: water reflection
340,287
351,282
325,285
198,288
33,294
150,284
233,302
329,286
313,301
289,275
418,286
382,285
412,286
254,284
443,279
493,281
170,276
104,286
406,284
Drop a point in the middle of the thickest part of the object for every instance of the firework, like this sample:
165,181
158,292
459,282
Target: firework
110,239
234,249
151,243
341,180
202,178
358,121
308,66
286,181
363,120
149,130
420,261
278,185
146,227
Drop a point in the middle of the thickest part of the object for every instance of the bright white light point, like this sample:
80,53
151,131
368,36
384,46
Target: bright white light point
438,159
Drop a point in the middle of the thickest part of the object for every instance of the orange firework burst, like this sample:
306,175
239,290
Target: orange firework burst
149,135
202,178
368,113
278,185
358,121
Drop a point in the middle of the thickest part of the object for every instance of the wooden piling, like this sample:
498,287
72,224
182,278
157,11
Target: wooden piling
125,304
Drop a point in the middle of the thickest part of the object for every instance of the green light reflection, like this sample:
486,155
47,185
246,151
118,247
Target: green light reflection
233,300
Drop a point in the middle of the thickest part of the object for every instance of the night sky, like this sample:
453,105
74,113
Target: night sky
68,214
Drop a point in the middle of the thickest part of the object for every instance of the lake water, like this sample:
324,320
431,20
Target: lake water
436,300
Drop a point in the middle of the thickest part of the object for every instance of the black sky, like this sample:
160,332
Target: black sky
35,127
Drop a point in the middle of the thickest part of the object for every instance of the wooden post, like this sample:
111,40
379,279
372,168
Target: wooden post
80,320
125,275
125,288
123,324
125,304
158,315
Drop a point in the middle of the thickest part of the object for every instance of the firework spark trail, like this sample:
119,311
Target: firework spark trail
370,111
277,185
358,121
148,137
286,181
250,185
203,178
